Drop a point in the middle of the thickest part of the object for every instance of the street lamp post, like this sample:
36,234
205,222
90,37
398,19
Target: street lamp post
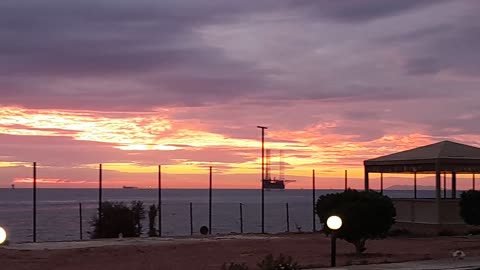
263,176
334,223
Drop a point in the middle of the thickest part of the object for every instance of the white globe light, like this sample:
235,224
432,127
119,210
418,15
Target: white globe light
3,235
334,223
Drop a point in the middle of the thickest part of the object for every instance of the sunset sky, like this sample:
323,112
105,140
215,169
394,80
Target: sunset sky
184,83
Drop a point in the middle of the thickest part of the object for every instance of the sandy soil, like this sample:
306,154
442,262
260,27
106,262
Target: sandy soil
310,250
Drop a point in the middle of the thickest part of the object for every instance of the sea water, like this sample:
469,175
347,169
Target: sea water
58,216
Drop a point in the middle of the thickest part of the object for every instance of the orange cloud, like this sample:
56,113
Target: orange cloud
47,181
319,146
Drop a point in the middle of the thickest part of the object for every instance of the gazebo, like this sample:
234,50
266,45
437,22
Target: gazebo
444,157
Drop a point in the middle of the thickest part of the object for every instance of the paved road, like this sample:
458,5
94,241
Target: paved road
445,264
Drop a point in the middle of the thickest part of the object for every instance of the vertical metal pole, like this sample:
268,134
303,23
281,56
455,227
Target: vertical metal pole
313,201
210,203
160,200
288,217
346,180
191,219
81,220
241,218
263,177
381,183
34,202
415,185
444,185
333,251
100,200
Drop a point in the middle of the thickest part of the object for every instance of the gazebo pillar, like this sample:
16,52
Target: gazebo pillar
473,181
381,183
366,178
454,185
415,185
438,193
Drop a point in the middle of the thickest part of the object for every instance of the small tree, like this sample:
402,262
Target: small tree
470,207
152,215
117,218
365,215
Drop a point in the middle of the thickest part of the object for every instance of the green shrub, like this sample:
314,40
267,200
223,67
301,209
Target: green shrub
280,263
117,218
470,207
234,266
365,215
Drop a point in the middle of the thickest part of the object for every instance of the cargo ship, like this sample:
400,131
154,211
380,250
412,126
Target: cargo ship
127,187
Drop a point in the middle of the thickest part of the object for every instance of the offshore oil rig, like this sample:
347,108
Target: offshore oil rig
268,182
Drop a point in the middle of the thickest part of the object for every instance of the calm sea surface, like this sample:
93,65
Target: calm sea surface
58,210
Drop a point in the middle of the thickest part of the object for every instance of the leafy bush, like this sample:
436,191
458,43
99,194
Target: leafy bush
470,207
365,215
117,218
280,263
234,266
152,214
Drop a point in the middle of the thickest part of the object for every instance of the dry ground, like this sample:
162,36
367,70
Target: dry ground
312,250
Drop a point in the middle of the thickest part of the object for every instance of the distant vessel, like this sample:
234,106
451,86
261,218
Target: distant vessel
273,184
127,187
13,186
269,183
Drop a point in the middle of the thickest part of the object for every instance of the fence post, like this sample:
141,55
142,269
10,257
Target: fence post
34,202
160,200
288,218
210,203
313,202
100,177
191,219
241,218
81,220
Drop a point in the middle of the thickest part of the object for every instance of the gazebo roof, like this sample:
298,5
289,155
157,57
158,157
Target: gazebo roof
440,150
443,156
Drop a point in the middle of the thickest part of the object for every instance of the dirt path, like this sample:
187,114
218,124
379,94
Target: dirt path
309,250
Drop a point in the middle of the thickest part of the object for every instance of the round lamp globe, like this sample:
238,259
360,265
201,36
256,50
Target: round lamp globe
3,235
334,223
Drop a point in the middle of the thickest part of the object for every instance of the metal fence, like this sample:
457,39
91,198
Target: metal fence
71,221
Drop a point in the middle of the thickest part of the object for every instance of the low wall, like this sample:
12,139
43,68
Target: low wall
420,217
424,211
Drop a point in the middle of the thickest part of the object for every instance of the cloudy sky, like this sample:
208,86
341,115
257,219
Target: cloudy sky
184,83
